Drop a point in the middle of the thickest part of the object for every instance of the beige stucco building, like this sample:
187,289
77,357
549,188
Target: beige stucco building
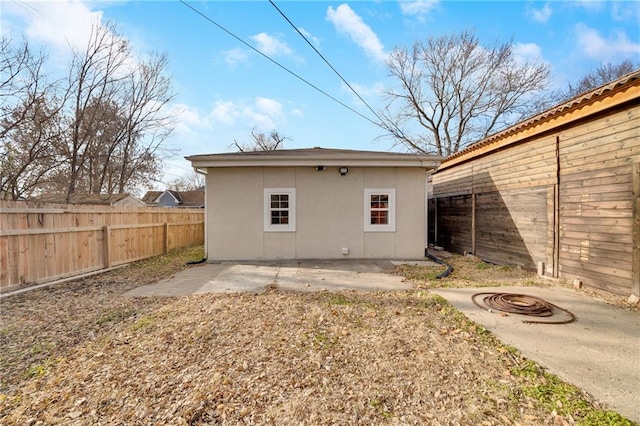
315,204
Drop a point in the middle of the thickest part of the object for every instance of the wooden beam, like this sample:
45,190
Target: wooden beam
556,214
635,275
473,223
107,246
166,238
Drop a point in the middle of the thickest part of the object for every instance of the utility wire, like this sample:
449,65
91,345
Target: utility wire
338,74
275,62
327,62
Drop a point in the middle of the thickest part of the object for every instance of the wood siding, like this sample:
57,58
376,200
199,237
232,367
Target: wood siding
596,201
496,206
566,198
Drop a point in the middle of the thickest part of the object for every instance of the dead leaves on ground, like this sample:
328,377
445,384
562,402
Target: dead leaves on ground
279,358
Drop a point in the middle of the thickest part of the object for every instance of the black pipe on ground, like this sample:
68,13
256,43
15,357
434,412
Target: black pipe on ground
440,262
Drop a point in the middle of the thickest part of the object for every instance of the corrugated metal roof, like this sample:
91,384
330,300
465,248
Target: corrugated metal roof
584,98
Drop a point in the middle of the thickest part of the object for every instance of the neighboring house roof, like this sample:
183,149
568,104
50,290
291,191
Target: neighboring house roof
315,157
151,197
92,199
620,91
192,199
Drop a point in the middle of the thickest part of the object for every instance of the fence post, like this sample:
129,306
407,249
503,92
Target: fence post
107,246
474,197
166,238
635,255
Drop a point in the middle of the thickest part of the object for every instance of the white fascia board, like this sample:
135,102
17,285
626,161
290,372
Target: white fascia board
417,162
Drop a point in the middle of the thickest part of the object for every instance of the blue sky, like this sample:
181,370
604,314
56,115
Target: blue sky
225,89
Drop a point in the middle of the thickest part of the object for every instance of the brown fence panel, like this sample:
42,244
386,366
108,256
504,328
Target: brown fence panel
44,242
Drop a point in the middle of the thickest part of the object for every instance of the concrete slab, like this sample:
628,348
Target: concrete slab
599,352
307,279
182,283
303,275
240,279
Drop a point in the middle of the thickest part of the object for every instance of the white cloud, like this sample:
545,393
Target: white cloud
269,106
235,56
60,24
370,92
417,7
625,11
314,40
271,45
225,112
262,113
346,21
374,90
63,26
591,5
527,50
611,49
527,54
188,119
541,15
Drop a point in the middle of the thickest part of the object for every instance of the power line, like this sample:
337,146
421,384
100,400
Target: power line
326,61
276,62
337,73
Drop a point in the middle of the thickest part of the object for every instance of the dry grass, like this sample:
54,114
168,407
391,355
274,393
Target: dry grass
84,354
469,271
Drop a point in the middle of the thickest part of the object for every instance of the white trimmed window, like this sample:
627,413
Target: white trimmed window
279,209
380,210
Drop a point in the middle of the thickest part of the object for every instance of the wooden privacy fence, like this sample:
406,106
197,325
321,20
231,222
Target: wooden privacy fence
45,242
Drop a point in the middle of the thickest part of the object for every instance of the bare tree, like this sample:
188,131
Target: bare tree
189,182
453,91
22,82
101,129
602,74
148,123
95,77
29,120
28,159
262,142
118,116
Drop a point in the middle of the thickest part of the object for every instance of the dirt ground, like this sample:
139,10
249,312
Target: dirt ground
82,353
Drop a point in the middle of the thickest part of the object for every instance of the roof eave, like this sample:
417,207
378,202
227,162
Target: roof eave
609,96
205,161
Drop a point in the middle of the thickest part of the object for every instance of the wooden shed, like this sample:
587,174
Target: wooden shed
560,191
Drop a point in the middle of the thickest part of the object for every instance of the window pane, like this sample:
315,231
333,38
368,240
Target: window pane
275,217
279,217
379,201
379,217
279,201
